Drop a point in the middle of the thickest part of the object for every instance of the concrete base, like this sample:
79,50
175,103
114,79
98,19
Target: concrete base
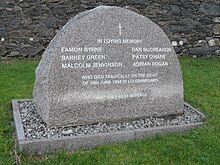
86,141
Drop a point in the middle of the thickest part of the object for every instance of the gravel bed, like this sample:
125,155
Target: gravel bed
35,128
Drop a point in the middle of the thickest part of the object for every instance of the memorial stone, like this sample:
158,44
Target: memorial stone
108,65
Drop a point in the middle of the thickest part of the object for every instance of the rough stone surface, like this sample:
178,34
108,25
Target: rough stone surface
216,29
214,42
3,51
41,19
43,139
217,52
181,29
216,20
36,128
132,9
210,9
201,43
121,66
14,54
203,50
175,9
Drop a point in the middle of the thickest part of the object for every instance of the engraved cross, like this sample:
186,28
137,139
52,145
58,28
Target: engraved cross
120,28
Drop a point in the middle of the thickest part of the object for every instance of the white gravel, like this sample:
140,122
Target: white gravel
35,128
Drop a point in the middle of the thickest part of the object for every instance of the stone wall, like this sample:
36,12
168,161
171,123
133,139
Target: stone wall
27,26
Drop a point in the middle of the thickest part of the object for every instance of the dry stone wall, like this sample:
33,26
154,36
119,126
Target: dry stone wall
27,26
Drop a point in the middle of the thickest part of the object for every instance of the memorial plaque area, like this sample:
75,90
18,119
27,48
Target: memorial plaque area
108,65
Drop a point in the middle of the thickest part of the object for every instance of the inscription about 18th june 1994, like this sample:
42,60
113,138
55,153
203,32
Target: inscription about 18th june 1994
95,57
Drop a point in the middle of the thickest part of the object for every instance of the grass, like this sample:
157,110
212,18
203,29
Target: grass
198,146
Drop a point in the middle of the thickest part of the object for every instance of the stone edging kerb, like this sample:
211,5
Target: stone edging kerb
87,141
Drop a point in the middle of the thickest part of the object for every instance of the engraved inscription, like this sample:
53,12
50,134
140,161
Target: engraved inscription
96,58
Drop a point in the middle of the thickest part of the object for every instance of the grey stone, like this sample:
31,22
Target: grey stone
217,52
53,1
201,43
132,9
9,9
214,42
154,10
189,22
141,2
36,50
108,64
67,132
59,9
17,9
25,45
50,22
173,2
181,43
207,51
2,30
174,43
203,29
13,54
44,32
24,5
18,122
13,45
177,49
216,20
184,51
208,38
204,20
27,21
187,12
162,23
181,28
210,9
3,51
216,29
175,9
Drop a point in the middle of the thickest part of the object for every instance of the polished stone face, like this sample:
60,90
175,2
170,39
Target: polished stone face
108,64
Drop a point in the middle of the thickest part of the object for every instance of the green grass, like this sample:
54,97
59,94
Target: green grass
198,146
